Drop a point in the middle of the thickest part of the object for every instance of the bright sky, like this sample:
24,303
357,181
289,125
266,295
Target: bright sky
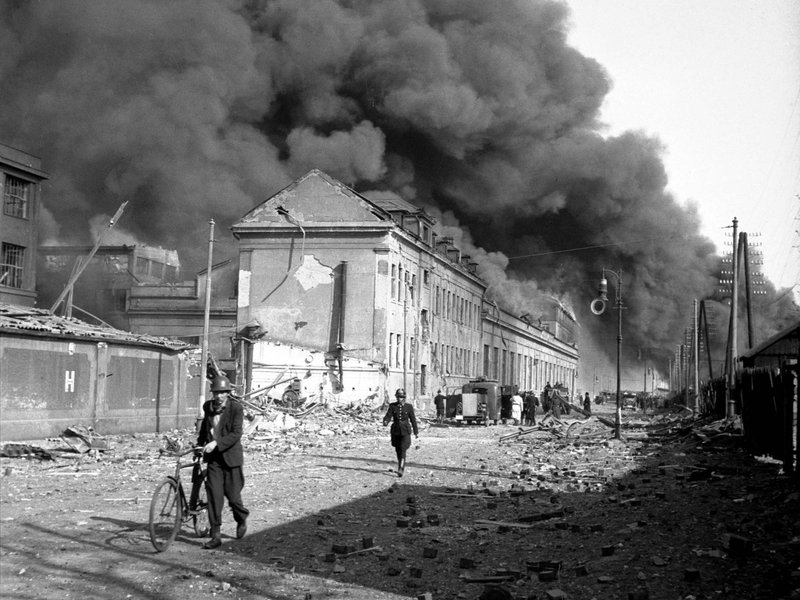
718,82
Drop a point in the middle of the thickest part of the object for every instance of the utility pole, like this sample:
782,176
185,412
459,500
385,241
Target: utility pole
644,356
80,265
730,405
206,321
696,356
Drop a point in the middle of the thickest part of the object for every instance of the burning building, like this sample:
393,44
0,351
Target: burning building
367,297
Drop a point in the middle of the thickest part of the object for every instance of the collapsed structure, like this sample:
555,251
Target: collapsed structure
58,371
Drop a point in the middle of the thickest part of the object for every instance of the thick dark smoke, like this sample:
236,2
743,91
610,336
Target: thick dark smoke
479,111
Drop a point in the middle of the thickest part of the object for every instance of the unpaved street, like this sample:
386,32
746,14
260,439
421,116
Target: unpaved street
593,518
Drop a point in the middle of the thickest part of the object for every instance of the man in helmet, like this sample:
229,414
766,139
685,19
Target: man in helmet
220,436
403,423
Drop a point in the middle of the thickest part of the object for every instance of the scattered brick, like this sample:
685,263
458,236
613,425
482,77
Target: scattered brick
691,574
548,575
430,552
739,545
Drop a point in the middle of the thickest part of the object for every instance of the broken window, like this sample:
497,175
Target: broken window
15,197
13,261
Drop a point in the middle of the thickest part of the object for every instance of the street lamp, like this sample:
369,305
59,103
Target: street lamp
598,307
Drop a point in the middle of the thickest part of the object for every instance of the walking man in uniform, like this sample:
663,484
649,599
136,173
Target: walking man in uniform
403,423
439,401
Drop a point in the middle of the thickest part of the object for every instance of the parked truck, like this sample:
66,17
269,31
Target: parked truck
481,401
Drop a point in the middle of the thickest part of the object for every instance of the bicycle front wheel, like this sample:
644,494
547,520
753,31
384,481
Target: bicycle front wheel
165,514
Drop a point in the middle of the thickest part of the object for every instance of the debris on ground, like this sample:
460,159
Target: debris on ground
13,450
82,439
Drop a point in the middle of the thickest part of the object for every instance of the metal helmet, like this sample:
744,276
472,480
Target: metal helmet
220,384
400,393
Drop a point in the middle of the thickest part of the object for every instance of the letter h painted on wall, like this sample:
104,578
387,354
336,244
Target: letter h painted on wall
69,381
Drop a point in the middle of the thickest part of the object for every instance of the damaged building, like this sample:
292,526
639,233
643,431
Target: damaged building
365,297
140,288
20,177
56,372
344,297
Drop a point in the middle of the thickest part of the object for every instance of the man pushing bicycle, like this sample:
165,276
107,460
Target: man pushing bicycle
221,438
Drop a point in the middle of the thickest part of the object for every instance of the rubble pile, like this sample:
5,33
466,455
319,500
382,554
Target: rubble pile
675,509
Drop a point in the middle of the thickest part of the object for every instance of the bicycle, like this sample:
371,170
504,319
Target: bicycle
170,509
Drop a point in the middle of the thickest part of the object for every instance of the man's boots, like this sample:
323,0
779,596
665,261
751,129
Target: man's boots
215,541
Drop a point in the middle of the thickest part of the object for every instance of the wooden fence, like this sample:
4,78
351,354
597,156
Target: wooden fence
769,414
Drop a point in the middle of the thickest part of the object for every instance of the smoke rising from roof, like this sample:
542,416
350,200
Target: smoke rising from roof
478,110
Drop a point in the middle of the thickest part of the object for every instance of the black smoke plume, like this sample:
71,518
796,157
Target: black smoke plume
478,111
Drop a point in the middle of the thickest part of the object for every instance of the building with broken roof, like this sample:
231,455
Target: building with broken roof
56,372
365,296
139,288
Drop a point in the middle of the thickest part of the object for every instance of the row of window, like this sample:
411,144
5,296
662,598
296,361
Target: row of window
452,307
528,372
154,268
15,204
448,305
404,284
507,367
454,360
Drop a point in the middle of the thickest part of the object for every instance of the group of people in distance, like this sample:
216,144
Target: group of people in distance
220,433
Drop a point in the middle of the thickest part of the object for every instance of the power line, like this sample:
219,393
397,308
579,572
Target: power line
669,237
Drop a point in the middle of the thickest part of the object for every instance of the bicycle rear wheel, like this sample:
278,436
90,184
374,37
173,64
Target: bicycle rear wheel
165,514
202,526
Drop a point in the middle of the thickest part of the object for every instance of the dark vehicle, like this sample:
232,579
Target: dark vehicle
604,397
628,400
479,401
557,400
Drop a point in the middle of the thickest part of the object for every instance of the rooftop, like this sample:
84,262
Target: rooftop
40,322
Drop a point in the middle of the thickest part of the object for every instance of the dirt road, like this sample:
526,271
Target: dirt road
592,518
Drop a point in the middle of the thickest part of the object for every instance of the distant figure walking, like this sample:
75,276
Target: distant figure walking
403,422
587,403
439,401
516,408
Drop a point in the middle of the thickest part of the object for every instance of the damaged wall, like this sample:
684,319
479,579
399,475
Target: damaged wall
373,305
47,385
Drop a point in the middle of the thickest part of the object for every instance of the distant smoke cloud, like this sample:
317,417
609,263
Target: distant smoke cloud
197,110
